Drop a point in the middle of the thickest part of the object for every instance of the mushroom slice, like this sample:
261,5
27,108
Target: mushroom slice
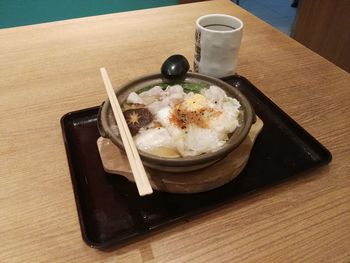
137,118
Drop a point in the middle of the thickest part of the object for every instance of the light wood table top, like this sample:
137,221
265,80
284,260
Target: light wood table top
50,69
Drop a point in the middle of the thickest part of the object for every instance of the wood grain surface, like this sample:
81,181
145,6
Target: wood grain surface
50,69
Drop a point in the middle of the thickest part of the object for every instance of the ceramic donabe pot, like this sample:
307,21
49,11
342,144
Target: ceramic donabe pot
109,129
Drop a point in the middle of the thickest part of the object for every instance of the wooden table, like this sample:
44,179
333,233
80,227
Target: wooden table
50,69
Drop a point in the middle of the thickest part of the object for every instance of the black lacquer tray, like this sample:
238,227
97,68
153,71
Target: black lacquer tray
110,210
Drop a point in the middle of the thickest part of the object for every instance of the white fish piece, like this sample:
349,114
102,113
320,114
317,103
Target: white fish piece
163,116
175,99
154,94
134,98
156,106
227,122
149,139
189,95
175,89
214,94
198,141
176,94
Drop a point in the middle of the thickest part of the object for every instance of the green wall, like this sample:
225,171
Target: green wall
25,12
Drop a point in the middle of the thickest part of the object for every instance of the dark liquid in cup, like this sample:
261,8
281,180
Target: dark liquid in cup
220,27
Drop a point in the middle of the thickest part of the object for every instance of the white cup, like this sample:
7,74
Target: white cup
218,38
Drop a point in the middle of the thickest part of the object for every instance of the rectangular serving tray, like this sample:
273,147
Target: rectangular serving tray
110,210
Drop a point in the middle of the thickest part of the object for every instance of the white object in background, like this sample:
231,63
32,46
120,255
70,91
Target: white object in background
218,38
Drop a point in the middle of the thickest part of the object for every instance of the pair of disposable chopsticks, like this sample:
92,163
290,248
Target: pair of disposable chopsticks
137,168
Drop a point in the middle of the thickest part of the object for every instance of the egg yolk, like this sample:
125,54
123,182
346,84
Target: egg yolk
196,102
194,110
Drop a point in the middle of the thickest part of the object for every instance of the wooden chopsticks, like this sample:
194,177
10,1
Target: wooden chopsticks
138,170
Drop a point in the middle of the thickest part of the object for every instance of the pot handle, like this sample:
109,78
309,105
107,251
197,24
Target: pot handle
254,115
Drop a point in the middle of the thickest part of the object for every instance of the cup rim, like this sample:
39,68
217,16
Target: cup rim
219,15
